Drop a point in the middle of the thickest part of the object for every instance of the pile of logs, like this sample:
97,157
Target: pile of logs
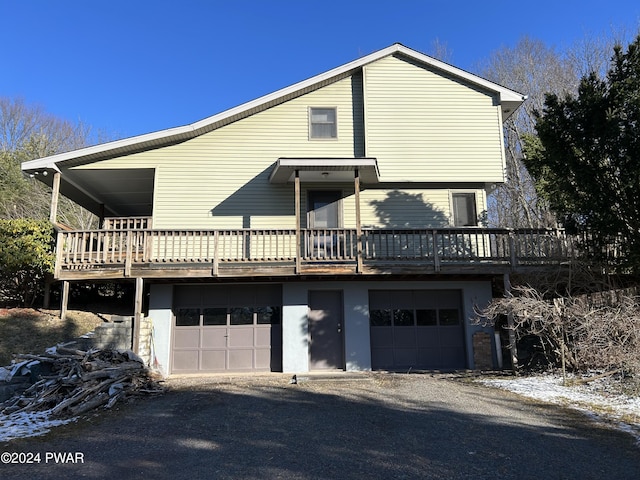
72,382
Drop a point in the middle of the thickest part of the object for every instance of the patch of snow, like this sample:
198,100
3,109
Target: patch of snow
22,368
132,356
27,424
5,374
594,398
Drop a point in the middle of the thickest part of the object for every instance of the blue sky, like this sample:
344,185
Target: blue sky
128,67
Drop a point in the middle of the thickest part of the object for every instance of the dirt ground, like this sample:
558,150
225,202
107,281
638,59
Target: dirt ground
28,330
344,426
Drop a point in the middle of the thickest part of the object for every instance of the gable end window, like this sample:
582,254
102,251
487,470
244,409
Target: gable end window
322,123
464,209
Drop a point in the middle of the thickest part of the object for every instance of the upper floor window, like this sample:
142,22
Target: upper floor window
322,123
464,209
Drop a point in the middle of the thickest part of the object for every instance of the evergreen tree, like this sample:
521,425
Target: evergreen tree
586,157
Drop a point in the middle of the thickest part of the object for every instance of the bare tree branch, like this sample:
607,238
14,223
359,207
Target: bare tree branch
596,328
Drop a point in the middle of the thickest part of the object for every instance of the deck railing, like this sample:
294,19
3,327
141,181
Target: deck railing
127,223
437,247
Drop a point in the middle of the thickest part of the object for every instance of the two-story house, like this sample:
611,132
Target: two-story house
332,224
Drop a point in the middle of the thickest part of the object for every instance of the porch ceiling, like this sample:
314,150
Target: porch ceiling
123,192
325,170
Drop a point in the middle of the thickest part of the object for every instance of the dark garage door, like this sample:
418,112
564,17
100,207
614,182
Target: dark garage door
419,329
230,328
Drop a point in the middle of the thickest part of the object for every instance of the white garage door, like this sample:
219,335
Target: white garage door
418,329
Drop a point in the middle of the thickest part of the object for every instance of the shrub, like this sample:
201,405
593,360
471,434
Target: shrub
26,258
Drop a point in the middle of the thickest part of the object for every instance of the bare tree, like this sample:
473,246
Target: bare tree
441,51
535,69
532,68
27,126
581,319
27,132
593,52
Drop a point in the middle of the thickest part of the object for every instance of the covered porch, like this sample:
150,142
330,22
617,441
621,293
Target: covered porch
130,247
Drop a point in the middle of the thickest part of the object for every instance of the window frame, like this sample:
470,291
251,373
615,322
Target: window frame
456,193
258,314
310,123
314,193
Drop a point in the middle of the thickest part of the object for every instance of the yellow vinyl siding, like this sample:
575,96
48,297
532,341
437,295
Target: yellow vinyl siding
410,207
422,125
426,128
404,208
382,207
220,179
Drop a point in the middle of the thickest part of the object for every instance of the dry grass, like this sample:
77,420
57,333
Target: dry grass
25,330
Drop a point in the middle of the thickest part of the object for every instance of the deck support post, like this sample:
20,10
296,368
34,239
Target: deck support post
46,302
101,215
128,255
216,255
513,257
55,195
64,302
298,229
436,256
513,349
356,187
137,316
59,253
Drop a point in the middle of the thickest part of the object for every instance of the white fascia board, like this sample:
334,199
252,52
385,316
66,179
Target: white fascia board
506,94
51,161
326,162
285,167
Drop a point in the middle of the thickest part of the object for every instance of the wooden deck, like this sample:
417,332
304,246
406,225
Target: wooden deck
154,253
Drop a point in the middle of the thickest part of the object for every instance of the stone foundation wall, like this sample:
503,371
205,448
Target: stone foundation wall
482,356
144,342
116,334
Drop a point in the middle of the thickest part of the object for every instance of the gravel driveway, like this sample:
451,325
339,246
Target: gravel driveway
368,426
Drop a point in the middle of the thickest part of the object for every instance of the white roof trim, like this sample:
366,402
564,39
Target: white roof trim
163,137
285,168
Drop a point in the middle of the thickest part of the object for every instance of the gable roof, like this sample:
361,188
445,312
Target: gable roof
509,100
